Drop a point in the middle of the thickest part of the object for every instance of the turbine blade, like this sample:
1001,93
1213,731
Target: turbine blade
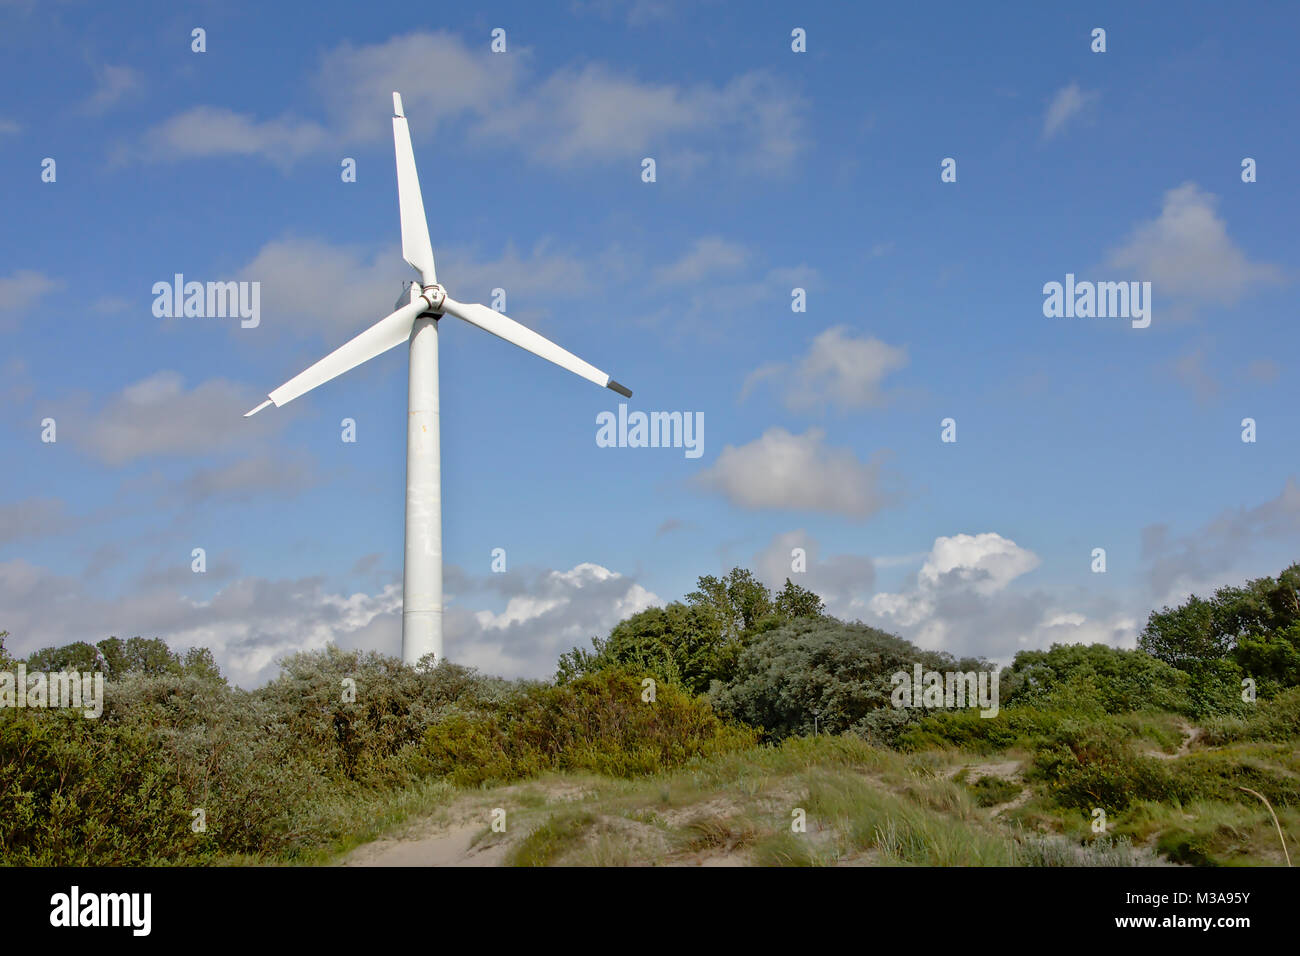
507,328
379,338
416,248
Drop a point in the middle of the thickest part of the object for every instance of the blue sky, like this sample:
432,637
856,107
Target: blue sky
775,170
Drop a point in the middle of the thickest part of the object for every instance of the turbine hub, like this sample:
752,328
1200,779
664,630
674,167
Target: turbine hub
433,296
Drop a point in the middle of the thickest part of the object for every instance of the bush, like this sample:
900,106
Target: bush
1093,764
597,723
842,671
1276,720
1094,678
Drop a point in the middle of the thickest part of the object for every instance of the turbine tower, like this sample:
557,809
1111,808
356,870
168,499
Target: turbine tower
420,307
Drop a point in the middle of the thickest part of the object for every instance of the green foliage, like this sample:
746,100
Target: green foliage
841,671
118,659
268,768
74,795
596,723
677,644
1094,677
1099,679
1256,626
1276,720
990,791
736,602
966,729
696,643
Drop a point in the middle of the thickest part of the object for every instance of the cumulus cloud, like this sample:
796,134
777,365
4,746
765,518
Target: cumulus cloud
843,581
962,601
783,470
1186,252
707,257
840,369
551,612
986,563
1180,564
159,416
1068,103
572,118
112,84
205,131
33,518
22,289
248,624
251,623
291,272
575,117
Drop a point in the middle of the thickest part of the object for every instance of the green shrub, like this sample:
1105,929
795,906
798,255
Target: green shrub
597,723
990,791
841,671
1094,764
1094,678
1275,720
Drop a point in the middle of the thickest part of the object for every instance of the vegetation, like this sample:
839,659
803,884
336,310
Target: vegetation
691,730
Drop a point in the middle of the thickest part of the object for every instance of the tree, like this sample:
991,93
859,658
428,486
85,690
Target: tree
795,601
1256,627
78,656
838,674
678,644
738,601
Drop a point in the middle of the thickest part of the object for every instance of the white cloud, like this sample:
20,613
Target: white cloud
253,622
204,131
33,518
1068,103
1185,252
962,602
112,83
1179,565
783,470
9,127
843,581
572,118
577,117
23,289
440,79
291,273
986,563
159,416
557,610
707,257
840,370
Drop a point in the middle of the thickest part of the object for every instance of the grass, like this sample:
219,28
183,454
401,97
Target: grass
808,802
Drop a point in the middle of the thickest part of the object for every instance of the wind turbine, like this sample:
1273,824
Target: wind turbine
416,322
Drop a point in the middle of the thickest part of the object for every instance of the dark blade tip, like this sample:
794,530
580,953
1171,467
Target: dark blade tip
621,389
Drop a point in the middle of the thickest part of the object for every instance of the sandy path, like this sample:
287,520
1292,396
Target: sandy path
449,847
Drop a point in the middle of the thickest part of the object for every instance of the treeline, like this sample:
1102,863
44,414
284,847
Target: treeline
286,770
